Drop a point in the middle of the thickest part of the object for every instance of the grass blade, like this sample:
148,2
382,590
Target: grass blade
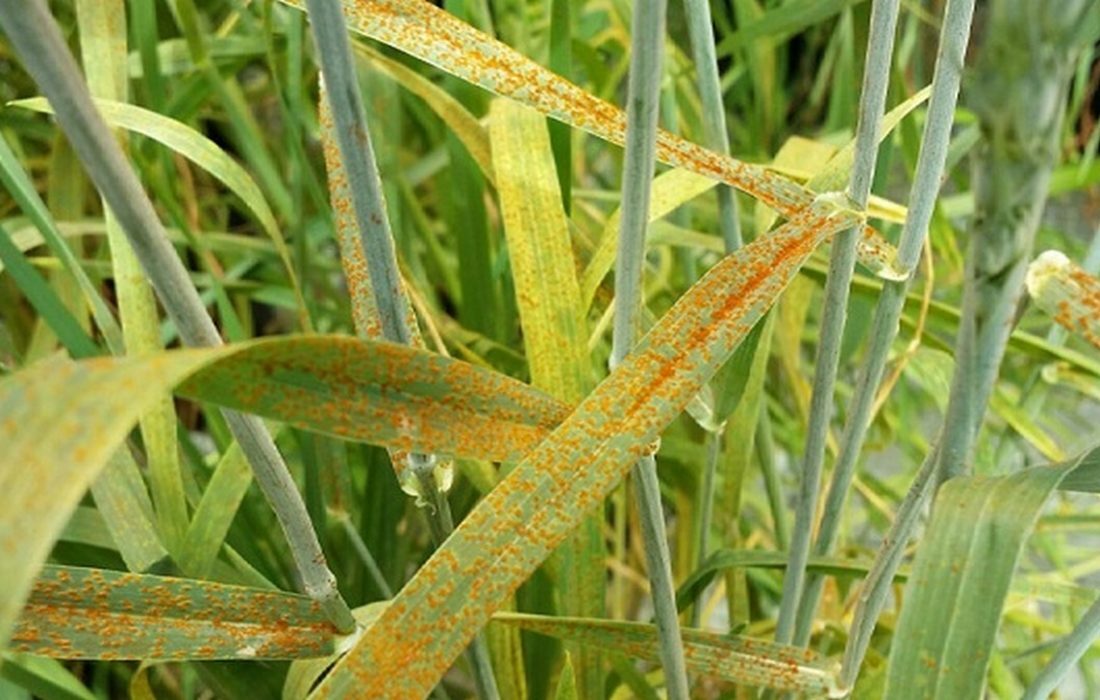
61,422
423,30
963,571
554,334
16,180
103,48
38,42
204,153
739,660
386,394
75,613
531,511
43,298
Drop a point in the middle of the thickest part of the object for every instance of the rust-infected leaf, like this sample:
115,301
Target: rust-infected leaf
736,659
431,34
76,613
61,420
386,394
1069,294
509,533
364,307
59,423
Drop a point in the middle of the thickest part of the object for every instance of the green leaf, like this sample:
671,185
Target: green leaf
59,423
390,395
530,512
200,150
45,678
740,660
554,333
963,571
75,613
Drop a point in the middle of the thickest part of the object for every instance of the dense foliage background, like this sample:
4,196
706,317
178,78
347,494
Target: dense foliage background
245,76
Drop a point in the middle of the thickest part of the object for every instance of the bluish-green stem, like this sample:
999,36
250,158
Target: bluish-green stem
1069,652
701,34
643,93
765,454
922,200
368,202
841,266
37,41
1011,174
876,586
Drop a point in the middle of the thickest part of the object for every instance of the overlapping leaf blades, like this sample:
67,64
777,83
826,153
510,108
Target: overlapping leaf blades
423,30
504,539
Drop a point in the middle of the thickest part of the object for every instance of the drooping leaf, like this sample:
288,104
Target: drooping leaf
390,395
203,152
530,512
59,422
735,659
76,613
431,34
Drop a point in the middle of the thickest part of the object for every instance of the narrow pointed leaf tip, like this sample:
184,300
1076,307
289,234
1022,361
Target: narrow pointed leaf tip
1065,291
512,531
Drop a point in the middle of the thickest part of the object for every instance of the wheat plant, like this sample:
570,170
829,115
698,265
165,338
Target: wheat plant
567,349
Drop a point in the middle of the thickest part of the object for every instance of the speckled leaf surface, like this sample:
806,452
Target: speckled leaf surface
60,421
77,613
431,34
1070,295
386,394
510,532
740,660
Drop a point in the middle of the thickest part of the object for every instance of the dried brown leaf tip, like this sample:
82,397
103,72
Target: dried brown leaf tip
1065,291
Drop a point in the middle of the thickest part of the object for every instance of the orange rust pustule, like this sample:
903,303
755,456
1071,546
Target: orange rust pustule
505,538
425,31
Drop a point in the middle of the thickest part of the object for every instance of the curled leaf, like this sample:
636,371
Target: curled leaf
1065,291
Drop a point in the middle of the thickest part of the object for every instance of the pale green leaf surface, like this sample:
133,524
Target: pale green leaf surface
963,571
